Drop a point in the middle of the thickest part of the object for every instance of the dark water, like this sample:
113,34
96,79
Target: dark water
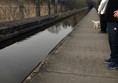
19,56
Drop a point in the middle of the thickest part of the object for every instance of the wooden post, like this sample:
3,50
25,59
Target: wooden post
49,6
37,7
55,6
21,7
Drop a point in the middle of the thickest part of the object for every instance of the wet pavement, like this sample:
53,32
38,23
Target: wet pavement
80,58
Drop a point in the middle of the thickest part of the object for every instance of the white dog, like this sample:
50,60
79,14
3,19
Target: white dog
96,24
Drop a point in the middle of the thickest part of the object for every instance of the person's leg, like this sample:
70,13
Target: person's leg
103,23
113,43
110,42
113,39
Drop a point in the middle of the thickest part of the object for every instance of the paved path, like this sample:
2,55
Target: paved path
80,58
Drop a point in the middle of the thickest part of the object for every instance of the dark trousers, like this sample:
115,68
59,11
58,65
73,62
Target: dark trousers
113,40
103,22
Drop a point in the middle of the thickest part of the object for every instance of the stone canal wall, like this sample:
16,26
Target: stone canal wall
9,9
15,28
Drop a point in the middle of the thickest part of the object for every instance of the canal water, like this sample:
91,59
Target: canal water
20,55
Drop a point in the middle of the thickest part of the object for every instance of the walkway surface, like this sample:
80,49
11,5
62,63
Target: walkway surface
80,58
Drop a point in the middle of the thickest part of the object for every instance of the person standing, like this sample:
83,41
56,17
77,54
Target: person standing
112,26
101,12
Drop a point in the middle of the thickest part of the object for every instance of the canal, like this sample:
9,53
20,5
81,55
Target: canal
20,55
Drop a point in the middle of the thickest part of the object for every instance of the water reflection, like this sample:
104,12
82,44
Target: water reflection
58,28
71,22
20,55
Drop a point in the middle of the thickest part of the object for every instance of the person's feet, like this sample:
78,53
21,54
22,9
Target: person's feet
102,32
108,60
112,65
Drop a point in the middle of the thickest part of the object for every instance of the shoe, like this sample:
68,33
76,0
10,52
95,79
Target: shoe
108,60
102,32
112,65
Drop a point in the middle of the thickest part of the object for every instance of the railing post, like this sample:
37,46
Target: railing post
49,6
37,7
21,8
